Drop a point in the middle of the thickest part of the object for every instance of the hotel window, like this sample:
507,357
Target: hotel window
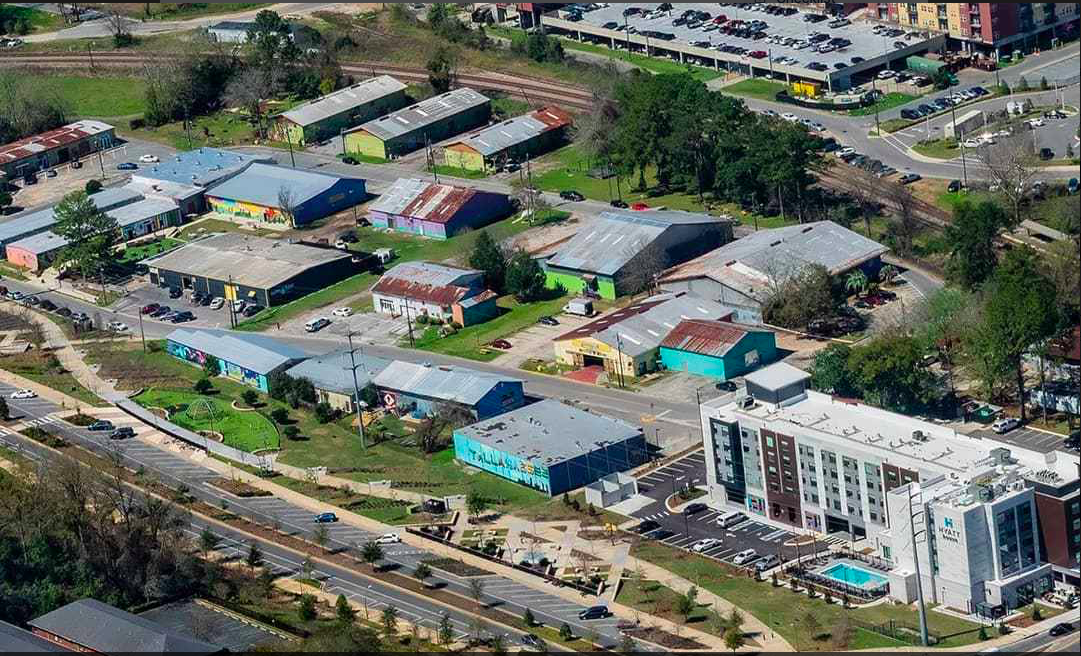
833,475
769,442
814,499
848,479
837,505
874,518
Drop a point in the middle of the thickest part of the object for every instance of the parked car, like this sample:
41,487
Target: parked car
175,292
661,534
1071,186
349,160
1046,154
727,386
31,300
122,433
1061,629
252,310
149,309
101,425
315,325
704,544
730,519
24,394
149,159
117,326
161,312
1005,425
618,203
532,641
767,562
745,557
127,166
571,195
181,317
51,173
217,303
63,311
910,114
646,526
909,178
695,508
48,305
500,344
639,207
388,538
548,321
595,613
954,186
326,518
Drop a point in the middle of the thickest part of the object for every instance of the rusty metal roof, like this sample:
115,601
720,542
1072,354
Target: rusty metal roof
419,199
46,141
425,281
501,136
715,338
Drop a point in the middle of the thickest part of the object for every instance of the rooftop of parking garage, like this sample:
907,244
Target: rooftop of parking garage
873,48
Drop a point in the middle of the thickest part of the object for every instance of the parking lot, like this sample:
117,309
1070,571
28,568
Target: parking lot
1026,438
147,294
371,327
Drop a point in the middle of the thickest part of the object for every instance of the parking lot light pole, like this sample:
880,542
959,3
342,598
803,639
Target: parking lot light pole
357,403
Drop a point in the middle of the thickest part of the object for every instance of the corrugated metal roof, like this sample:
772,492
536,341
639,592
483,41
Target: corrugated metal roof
14,640
343,100
423,114
419,199
201,167
142,210
642,327
749,264
333,372
482,297
23,224
249,261
108,630
426,281
430,273
456,384
776,376
614,238
497,138
713,338
549,432
254,352
40,143
41,243
260,184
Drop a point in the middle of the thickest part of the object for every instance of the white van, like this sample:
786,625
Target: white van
730,519
315,325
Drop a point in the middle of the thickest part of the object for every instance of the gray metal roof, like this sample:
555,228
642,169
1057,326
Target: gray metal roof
429,273
106,199
457,384
501,136
549,432
250,261
125,216
643,332
108,630
253,352
749,264
424,113
777,376
333,372
605,245
260,184
344,100
14,640
43,242
201,167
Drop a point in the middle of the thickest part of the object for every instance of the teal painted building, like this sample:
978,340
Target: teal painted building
717,349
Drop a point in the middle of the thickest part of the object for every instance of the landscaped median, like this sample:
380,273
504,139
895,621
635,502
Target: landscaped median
218,418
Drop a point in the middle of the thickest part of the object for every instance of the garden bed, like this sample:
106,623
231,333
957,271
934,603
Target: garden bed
239,488
456,567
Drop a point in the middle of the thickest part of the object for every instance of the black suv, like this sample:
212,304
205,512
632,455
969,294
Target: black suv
122,433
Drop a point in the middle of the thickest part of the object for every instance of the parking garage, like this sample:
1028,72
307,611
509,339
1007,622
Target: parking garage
753,40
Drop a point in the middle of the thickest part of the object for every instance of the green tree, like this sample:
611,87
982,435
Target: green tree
446,630
279,415
475,503
254,557
528,619
941,79
271,45
733,639
488,257
856,282
525,278
799,299
422,573
686,604
948,317
346,613
389,620
888,372
371,553
5,200
211,367
1020,310
476,590
250,398
203,386
1022,84
208,541
830,373
92,187
565,632
441,68
307,610
321,536
91,234
972,235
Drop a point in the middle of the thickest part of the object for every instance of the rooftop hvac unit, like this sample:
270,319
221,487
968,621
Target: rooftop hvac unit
919,436
746,402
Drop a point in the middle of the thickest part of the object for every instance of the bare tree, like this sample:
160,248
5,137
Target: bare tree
287,204
864,194
1011,164
118,25
904,225
644,268
246,90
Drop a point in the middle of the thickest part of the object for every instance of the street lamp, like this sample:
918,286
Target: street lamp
913,533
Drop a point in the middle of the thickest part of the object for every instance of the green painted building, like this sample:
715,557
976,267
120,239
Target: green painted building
514,140
619,252
716,349
325,118
428,122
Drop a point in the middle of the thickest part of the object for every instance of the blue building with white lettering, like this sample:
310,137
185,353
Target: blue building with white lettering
551,447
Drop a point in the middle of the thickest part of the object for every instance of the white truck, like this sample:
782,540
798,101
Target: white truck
582,307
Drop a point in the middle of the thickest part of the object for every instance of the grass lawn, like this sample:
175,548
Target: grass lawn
455,172
567,169
36,19
245,430
469,342
366,159
387,511
181,11
322,298
13,272
509,107
888,101
892,125
755,88
44,369
938,148
786,611
408,248
657,600
99,96
207,226
136,253
652,64
220,129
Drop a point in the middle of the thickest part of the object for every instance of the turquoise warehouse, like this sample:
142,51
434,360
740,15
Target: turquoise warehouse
717,349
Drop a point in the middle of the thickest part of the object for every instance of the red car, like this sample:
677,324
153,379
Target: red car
500,344
148,309
639,207
758,54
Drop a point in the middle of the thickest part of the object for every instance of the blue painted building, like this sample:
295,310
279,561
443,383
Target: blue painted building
420,390
717,349
248,359
260,192
551,447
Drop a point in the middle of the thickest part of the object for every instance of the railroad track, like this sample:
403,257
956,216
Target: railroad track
535,92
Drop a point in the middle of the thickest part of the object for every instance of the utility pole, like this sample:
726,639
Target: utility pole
356,389
409,324
913,533
619,363
187,125
960,142
142,333
90,52
289,140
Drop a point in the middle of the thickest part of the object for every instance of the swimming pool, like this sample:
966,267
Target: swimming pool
855,576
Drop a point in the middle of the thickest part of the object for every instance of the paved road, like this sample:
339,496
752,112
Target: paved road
173,469
1043,641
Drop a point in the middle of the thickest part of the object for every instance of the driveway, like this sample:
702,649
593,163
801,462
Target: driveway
368,327
536,341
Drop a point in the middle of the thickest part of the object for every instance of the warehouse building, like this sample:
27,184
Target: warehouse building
428,122
327,116
34,223
332,376
265,272
142,217
621,252
245,358
230,31
419,390
626,343
418,207
515,140
436,291
184,177
744,273
717,349
48,149
14,640
551,447
284,197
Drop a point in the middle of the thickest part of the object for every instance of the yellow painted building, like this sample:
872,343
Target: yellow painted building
588,351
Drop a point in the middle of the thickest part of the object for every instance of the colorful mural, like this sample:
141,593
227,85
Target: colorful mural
245,210
228,369
502,464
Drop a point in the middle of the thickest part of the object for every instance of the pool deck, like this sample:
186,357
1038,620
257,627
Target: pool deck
854,564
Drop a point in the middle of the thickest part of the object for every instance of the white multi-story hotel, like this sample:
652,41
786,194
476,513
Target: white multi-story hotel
831,465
